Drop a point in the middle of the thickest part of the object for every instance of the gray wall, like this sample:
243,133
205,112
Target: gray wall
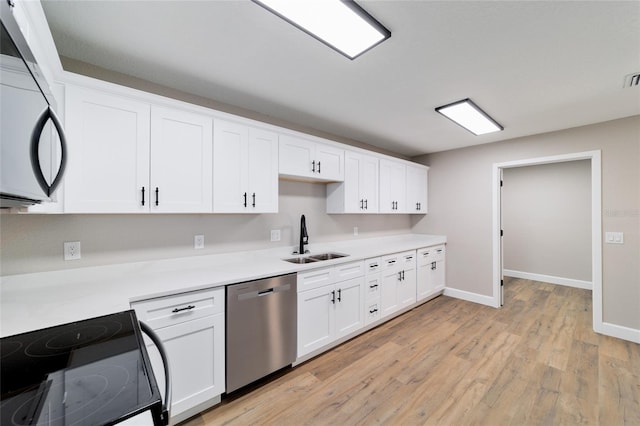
546,217
34,242
460,207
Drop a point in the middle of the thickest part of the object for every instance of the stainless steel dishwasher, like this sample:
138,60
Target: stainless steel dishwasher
261,328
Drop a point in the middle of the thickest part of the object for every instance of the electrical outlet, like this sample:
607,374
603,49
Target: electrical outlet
355,230
198,242
72,250
275,235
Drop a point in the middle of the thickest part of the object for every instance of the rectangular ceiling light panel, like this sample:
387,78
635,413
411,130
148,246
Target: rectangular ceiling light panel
468,115
342,25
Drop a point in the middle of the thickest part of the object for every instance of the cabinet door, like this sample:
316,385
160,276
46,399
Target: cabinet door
315,319
296,156
181,161
431,279
392,187
196,354
407,286
329,162
416,189
351,191
262,181
230,151
369,190
389,291
108,163
349,298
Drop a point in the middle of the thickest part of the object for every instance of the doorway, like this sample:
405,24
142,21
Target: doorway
596,225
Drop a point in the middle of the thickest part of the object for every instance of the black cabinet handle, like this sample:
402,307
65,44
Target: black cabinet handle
339,295
253,204
373,311
402,275
373,286
361,204
186,308
318,167
333,297
373,265
313,163
391,262
434,266
157,191
143,195
245,199
365,204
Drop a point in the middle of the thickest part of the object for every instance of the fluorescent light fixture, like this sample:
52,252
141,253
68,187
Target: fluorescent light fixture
469,115
340,24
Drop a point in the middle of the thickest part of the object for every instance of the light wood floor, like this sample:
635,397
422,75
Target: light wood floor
536,361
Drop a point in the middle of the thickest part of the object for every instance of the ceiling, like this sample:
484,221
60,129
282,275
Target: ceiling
533,66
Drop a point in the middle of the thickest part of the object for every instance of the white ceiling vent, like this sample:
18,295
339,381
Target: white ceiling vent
632,80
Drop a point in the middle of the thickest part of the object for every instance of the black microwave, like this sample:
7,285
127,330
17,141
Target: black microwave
32,141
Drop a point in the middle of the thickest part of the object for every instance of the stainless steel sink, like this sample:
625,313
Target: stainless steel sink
301,260
327,256
315,258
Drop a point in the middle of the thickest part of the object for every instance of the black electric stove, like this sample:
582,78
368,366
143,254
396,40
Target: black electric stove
92,372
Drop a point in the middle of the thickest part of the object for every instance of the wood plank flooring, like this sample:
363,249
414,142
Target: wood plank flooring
536,361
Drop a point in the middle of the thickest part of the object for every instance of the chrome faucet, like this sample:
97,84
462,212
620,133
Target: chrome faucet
304,237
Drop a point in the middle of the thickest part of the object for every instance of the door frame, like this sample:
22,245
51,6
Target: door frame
596,224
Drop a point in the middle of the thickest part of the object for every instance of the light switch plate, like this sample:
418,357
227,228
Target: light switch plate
614,237
198,242
275,235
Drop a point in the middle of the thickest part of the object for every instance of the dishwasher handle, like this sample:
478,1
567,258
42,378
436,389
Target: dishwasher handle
252,293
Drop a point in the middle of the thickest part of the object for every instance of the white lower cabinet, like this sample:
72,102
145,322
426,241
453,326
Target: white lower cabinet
398,282
431,271
191,327
329,308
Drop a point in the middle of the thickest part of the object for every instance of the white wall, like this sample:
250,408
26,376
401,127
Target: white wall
546,217
33,242
460,185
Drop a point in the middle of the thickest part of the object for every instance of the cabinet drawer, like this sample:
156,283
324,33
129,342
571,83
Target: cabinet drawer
372,311
315,279
408,258
390,262
372,286
166,311
398,259
349,271
373,265
431,254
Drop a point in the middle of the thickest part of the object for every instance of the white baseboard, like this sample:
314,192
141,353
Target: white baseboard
471,297
619,331
569,282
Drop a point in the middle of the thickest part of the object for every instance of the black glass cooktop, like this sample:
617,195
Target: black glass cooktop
91,372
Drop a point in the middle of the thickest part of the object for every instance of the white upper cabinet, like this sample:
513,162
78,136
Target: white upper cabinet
393,182
302,158
417,189
245,169
108,163
359,191
181,150
127,157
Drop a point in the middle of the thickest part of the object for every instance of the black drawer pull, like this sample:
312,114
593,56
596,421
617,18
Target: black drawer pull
186,308
373,286
143,195
373,311
245,199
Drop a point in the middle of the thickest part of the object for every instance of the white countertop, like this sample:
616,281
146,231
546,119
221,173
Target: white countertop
33,301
